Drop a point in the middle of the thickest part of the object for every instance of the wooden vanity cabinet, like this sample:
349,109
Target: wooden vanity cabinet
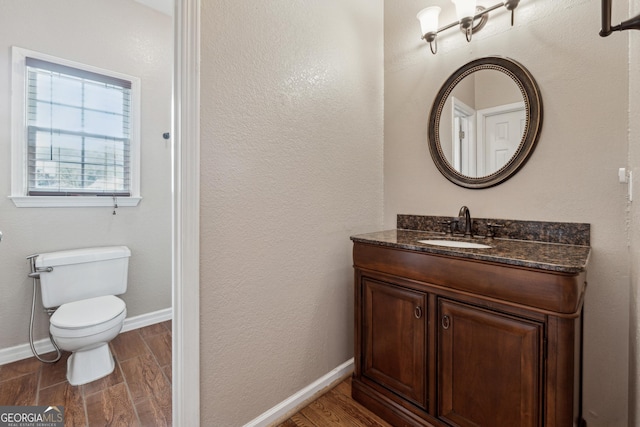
392,359
490,367
432,352
394,332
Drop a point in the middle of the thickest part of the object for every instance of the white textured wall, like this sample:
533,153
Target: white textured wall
571,176
291,160
124,36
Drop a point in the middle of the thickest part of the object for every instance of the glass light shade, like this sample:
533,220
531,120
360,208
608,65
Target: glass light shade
428,18
465,8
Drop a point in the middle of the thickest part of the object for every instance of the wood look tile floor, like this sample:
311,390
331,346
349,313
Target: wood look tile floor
335,408
136,393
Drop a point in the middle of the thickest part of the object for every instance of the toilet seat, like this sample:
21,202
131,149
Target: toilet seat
87,317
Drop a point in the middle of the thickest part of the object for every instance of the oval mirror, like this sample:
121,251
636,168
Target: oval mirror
485,122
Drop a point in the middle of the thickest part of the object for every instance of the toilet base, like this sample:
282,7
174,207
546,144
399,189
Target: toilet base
89,365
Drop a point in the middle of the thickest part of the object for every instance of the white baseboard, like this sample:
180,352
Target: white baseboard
23,351
300,399
137,322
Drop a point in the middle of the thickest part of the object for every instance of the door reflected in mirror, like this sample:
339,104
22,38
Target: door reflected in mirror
484,122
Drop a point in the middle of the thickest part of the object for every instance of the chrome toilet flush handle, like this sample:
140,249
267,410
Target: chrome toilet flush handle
36,274
35,271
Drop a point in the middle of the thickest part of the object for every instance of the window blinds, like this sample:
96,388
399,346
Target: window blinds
78,131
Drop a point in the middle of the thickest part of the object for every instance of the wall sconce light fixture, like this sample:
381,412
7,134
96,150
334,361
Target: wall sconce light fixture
607,29
468,13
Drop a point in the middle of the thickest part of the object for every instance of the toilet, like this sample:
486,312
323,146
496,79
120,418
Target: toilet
83,284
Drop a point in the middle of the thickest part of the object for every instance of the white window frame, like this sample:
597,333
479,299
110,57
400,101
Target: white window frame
19,174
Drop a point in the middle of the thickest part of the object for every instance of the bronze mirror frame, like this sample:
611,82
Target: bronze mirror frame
533,107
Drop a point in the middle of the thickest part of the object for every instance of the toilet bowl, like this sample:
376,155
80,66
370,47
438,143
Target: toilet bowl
83,284
85,328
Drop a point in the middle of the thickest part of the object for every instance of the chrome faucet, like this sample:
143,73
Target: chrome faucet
464,221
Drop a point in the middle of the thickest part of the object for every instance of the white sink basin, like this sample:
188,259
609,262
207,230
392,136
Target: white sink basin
455,244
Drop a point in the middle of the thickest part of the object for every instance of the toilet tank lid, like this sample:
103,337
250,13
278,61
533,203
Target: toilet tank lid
79,256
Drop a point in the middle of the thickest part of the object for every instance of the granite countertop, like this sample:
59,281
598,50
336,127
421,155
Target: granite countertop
542,255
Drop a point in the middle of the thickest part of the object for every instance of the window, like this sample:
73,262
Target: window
75,134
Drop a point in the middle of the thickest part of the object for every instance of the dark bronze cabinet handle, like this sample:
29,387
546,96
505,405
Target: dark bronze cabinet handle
418,312
446,322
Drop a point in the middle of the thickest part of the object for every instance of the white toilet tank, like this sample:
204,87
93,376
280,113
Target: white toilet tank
82,273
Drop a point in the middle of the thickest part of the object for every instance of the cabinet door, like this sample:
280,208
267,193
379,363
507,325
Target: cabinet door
394,339
490,368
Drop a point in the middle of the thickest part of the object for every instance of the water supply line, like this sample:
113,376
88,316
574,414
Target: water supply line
35,275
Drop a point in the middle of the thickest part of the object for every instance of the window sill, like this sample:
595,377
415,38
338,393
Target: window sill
72,201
